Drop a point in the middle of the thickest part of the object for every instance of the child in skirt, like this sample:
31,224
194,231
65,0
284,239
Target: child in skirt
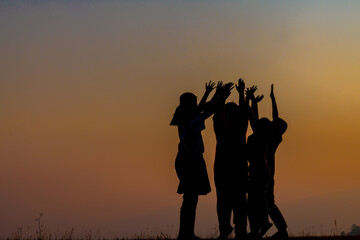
190,165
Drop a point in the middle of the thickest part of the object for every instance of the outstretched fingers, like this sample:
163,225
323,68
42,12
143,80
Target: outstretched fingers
250,92
240,87
209,86
259,98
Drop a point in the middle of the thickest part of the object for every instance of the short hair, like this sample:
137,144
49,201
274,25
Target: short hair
181,113
264,126
187,98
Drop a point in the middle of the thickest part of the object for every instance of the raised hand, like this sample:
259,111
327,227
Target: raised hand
272,91
240,87
275,112
229,86
250,92
253,88
227,89
209,86
259,98
219,86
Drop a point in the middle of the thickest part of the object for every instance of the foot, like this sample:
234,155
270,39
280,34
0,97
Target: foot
189,237
223,237
225,234
253,236
196,238
241,236
280,235
265,228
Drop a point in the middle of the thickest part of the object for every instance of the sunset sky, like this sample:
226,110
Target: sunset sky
88,89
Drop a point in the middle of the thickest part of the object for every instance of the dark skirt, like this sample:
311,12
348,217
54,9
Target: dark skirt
192,173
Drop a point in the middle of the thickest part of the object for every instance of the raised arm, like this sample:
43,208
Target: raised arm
222,93
255,102
250,95
217,94
216,103
253,111
275,113
208,88
240,87
226,90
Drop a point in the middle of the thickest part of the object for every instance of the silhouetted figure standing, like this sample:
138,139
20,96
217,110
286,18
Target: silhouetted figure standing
189,164
230,167
257,147
279,127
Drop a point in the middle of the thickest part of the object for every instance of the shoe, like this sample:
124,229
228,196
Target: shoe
280,235
265,228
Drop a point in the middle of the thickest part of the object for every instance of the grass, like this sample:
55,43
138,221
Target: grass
42,234
69,236
160,238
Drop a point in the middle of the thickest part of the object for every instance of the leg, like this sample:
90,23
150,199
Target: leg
223,207
252,207
258,215
274,211
265,224
240,215
187,216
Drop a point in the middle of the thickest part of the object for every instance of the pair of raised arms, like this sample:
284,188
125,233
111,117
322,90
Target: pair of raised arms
224,91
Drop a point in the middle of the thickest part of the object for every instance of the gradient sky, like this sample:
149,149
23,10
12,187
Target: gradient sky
88,88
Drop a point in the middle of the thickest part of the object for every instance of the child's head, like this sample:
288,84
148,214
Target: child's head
264,128
282,125
187,109
188,101
232,113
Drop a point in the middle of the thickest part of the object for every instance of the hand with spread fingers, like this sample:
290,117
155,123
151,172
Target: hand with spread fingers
209,86
250,92
258,98
240,87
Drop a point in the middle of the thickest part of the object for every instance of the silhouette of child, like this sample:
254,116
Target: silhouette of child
189,164
230,167
279,127
257,147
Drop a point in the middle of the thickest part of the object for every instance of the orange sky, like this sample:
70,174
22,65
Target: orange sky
87,91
